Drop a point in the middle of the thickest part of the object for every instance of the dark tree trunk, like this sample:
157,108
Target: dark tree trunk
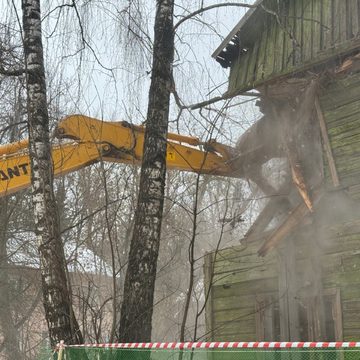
57,303
137,306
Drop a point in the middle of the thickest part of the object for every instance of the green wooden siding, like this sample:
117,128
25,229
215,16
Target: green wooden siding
239,277
305,33
340,102
310,31
233,298
341,269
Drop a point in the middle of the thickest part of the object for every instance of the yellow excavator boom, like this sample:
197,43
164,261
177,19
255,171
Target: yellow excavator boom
93,140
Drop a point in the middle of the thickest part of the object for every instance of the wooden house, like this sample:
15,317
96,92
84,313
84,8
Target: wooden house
296,274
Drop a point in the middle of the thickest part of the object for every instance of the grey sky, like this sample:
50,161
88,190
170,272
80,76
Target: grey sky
111,79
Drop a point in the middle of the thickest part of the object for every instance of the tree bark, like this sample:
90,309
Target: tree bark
57,303
8,330
137,306
10,346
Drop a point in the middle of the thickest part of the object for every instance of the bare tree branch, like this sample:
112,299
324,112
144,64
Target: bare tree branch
220,98
210,7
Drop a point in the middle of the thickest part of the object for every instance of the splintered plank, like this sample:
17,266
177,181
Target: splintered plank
290,224
293,220
274,205
327,146
297,173
292,146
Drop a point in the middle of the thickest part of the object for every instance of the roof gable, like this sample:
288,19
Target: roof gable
283,37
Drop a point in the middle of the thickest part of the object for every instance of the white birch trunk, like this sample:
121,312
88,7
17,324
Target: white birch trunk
57,303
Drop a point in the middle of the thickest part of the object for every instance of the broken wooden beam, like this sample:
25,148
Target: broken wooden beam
275,205
292,152
327,145
298,176
295,217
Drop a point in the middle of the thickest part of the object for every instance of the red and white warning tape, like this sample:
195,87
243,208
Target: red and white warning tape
225,345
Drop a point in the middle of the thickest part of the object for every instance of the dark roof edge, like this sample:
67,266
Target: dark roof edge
236,29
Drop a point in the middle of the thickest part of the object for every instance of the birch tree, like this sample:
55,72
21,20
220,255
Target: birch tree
137,306
56,296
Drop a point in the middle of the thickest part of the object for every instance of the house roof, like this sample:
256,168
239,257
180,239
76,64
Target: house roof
275,39
230,37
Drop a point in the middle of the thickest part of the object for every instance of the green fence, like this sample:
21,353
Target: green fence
115,352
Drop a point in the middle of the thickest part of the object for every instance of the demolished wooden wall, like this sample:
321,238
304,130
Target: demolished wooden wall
327,249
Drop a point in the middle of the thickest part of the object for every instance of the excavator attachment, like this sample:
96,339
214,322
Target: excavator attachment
127,142
89,140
